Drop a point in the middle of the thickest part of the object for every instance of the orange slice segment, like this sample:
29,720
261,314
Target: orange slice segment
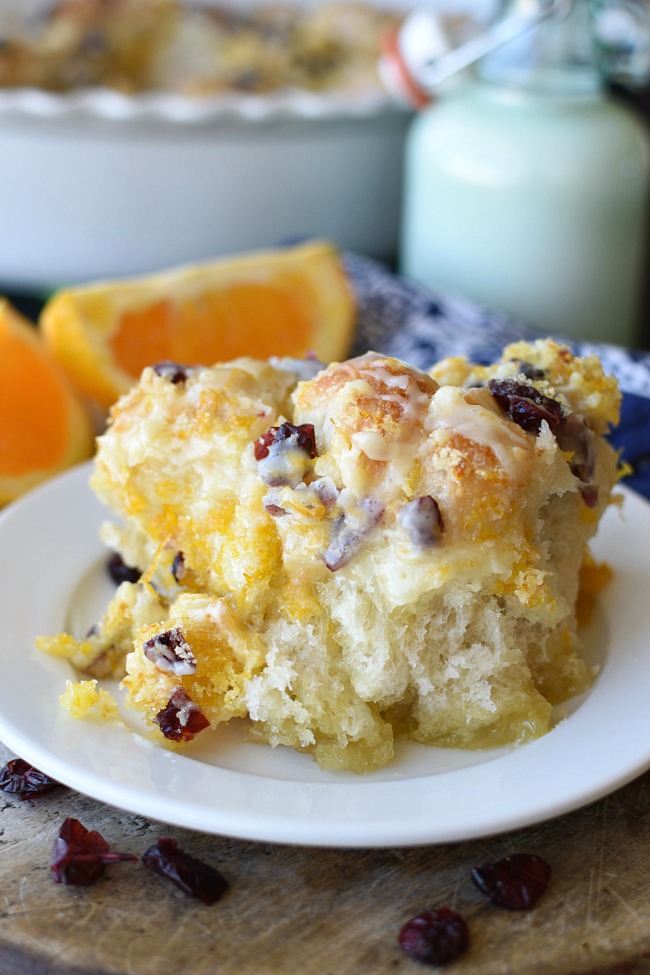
287,302
43,426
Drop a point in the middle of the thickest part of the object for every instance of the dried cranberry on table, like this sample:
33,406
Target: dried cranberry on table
435,937
19,778
194,877
80,855
516,882
181,719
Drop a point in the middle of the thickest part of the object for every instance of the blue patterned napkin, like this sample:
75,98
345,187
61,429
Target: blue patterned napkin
420,326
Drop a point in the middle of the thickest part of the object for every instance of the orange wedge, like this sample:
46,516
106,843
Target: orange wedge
43,426
285,302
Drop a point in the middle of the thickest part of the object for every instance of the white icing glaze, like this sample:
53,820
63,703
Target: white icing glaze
408,395
376,447
452,415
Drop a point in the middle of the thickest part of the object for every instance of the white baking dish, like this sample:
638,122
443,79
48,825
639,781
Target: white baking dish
94,183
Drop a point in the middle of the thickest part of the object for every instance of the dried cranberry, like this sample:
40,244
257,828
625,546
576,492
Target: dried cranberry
178,567
516,882
525,405
422,521
302,436
348,533
192,876
283,454
171,653
589,494
435,937
326,491
276,510
18,778
181,719
173,371
530,371
577,438
119,571
80,855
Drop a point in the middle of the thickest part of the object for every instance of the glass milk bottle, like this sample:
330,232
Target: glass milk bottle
526,186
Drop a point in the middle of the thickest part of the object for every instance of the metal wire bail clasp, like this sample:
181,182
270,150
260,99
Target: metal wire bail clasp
418,58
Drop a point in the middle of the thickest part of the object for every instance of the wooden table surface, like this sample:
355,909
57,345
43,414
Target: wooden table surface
309,911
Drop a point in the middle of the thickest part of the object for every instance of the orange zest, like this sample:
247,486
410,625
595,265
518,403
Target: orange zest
285,302
43,426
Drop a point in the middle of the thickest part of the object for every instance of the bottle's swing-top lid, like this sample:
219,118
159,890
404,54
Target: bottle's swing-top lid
419,58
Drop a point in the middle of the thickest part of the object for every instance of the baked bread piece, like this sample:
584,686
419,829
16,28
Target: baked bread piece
348,554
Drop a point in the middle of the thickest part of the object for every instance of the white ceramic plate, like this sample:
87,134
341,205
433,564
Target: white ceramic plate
53,578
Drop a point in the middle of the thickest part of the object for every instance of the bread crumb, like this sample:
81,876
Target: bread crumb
84,699
80,653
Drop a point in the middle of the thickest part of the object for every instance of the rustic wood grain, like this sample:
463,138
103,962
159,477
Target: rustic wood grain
299,911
